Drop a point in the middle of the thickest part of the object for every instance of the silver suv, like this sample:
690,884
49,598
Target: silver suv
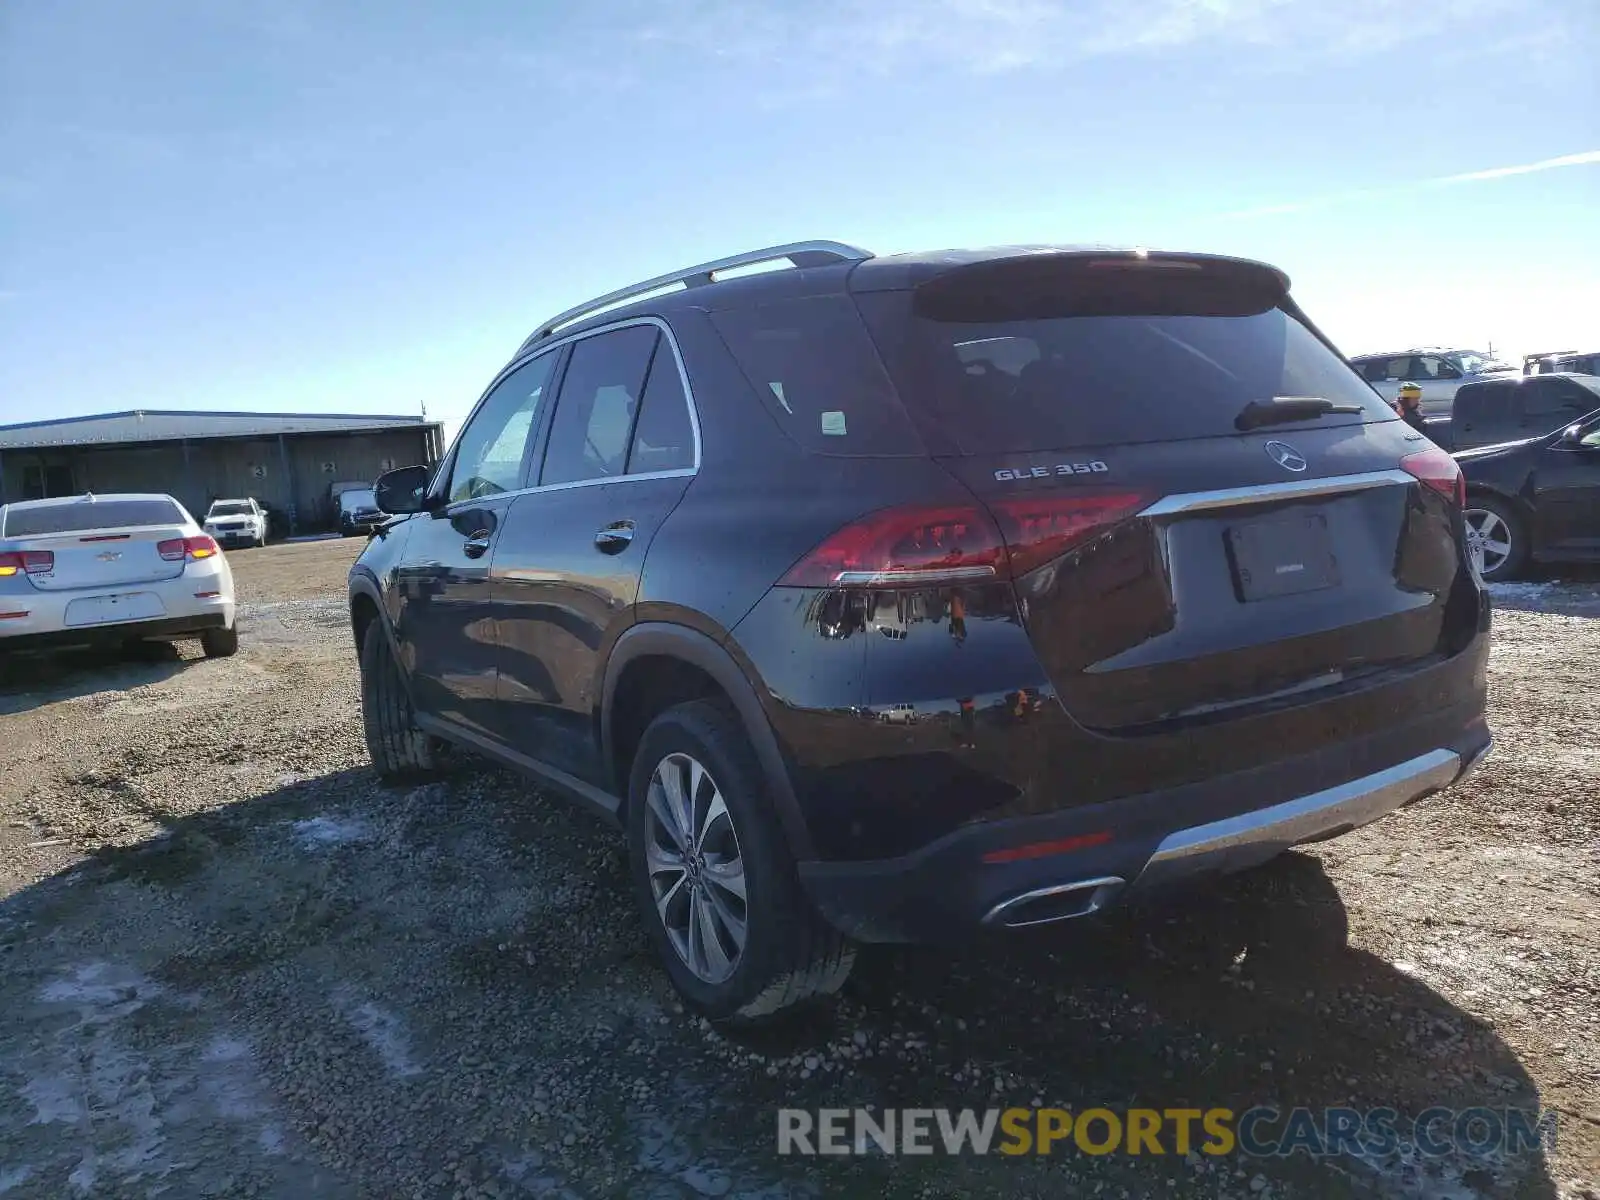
1439,372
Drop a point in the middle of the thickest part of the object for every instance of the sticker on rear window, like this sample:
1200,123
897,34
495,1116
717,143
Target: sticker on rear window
833,424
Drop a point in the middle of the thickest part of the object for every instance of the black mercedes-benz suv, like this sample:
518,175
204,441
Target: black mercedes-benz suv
893,598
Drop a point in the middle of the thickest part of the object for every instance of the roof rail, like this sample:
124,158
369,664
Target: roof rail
799,254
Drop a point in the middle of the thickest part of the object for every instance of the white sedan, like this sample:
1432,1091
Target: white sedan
111,568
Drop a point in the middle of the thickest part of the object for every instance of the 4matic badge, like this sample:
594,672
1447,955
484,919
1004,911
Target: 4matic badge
1083,468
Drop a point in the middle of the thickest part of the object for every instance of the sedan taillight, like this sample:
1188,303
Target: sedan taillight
33,562
179,549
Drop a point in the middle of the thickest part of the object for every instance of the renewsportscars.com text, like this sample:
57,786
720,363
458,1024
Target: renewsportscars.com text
1259,1132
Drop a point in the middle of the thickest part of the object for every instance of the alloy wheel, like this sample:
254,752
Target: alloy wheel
1488,540
696,869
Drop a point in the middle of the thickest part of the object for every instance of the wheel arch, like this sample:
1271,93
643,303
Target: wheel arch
1515,501
655,665
1518,507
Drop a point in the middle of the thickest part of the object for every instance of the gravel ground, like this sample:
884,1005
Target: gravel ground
234,964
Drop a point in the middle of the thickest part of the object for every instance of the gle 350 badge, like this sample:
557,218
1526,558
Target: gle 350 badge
1084,468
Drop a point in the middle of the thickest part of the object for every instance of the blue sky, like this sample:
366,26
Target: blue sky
364,206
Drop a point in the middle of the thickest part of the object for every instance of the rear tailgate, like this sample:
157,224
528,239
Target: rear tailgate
1203,600
1198,566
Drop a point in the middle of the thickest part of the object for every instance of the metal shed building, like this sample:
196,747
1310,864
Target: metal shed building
285,460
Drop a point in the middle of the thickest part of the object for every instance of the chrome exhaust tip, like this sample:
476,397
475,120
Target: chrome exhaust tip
1060,902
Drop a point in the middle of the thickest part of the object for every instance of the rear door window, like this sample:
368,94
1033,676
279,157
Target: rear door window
1034,383
813,365
663,436
87,515
594,412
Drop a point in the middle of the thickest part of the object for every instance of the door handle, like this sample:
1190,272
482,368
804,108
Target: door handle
477,545
614,539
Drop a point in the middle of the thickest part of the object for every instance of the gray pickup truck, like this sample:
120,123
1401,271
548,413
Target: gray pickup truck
1510,409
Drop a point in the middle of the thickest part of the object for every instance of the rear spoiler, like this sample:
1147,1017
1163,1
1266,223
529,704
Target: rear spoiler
1036,285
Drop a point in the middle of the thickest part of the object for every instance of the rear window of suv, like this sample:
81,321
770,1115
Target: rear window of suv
87,515
1033,364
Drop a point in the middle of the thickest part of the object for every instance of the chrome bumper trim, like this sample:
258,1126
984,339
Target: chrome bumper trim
1262,493
1247,839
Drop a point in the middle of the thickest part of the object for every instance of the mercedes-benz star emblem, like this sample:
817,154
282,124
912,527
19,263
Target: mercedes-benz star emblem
1286,456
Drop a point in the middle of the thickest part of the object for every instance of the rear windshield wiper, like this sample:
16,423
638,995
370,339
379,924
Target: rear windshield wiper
1288,408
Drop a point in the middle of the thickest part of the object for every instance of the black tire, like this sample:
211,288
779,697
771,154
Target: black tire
1516,561
399,749
220,643
790,954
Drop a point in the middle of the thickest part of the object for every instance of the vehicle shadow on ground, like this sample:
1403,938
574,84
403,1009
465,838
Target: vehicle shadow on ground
411,899
28,680
1240,994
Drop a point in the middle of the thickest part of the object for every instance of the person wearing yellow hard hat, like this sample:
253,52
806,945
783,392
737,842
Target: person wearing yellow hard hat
1410,406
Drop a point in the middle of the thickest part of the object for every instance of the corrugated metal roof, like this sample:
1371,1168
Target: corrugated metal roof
153,425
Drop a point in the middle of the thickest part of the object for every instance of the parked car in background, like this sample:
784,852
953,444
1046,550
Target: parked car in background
1438,372
237,522
1239,578
1534,501
1515,407
116,568
359,511
1573,361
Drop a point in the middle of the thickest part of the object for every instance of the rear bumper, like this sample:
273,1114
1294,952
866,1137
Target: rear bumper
1154,843
235,537
192,625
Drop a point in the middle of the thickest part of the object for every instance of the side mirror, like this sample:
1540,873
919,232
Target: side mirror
402,491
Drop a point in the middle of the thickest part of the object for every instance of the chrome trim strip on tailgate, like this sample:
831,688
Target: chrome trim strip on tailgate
1244,840
1292,489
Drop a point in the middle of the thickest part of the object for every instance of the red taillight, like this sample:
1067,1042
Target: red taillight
928,547
1040,528
34,562
906,547
1436,469
177,549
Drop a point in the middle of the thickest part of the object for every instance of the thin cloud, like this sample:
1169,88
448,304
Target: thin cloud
1545,164
981,37
1583,158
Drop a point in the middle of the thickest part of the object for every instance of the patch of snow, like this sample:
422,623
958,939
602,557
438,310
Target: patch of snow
14,1177
124,1105
331,831
102,986
54,1100
228,1079
1408,1172
1521,591
385,1033
1552,596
